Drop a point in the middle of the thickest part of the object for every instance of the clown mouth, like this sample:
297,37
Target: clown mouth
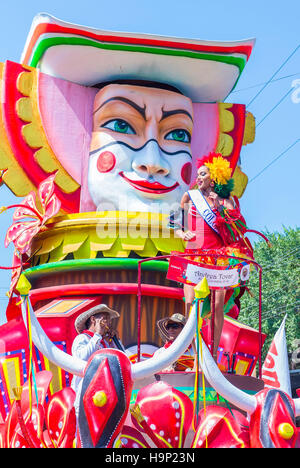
149,187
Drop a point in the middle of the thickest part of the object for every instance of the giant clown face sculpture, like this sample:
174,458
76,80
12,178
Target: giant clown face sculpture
140,154
126,146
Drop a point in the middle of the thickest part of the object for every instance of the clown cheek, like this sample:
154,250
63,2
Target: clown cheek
106,162
186,173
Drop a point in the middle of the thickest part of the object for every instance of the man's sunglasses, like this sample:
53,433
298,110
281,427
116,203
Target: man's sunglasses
174,326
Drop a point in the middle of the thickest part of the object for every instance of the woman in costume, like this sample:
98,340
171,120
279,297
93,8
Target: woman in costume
214,226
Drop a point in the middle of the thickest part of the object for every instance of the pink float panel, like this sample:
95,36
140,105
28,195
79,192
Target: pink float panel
66,111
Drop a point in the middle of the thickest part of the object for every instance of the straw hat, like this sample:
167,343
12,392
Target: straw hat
80,322
162,324
205,71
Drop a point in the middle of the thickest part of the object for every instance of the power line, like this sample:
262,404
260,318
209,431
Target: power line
279,310
265,297
274,160
281,259
273,108
268,312
277,265
260,84
273,313
274,74
282,307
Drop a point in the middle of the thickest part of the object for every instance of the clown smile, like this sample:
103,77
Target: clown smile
149,187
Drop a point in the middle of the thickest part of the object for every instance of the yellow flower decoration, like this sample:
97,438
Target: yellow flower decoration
219,170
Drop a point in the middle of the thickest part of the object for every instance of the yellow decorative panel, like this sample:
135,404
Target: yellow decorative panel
34,133
86,234
11,372
240,182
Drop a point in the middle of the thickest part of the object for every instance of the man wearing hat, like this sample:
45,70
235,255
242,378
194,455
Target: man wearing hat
94,328
169,329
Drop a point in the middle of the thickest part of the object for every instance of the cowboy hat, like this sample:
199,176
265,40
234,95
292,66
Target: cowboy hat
80,322
162,324
204,71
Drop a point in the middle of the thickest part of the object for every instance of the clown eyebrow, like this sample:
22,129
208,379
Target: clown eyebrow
141,110
166,114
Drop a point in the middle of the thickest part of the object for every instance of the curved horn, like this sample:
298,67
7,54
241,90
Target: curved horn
77,366
228,391
151,366
47,348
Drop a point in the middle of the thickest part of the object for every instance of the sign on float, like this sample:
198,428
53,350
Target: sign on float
186,271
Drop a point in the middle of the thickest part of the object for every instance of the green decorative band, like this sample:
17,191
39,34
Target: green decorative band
45,44
97,263
211,395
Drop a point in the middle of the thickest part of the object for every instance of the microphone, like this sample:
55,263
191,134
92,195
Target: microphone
116,341
118,344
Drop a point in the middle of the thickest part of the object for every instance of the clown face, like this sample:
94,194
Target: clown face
140,154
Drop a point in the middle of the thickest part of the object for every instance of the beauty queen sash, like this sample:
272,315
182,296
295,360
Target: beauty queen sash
203,208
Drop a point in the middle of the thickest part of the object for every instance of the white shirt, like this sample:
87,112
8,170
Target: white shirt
83,347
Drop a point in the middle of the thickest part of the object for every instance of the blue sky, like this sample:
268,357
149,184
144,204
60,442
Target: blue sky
271,199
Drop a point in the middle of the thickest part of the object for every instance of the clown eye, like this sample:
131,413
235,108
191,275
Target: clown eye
120,126
179,135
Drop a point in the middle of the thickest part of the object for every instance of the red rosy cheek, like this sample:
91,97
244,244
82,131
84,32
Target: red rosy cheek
186,173
106,161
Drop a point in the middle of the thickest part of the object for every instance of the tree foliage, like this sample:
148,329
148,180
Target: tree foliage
280,288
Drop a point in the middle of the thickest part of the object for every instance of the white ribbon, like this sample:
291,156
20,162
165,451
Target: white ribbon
203,208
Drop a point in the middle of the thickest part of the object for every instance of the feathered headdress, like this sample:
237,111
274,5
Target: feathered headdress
220,173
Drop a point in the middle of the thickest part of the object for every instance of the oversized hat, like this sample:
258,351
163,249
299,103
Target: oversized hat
162,324
205,71
80,322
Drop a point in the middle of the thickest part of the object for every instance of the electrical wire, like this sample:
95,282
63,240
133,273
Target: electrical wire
289,252
273,108
265,82
264,298
277,266
274,74
287,256
274,160
277,290
271,312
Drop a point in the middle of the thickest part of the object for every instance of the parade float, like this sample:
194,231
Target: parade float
91,225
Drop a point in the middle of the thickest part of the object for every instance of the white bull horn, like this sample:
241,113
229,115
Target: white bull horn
222,386
47,348
77,366
147,368
151,366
